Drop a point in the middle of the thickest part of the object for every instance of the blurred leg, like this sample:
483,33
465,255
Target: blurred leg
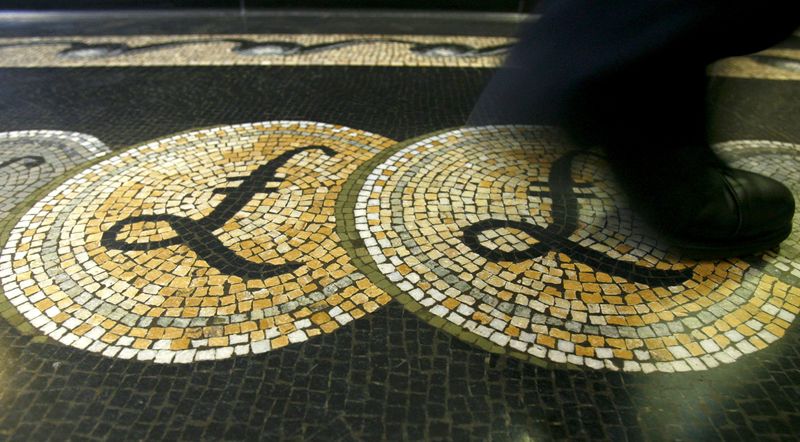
627,68
629,76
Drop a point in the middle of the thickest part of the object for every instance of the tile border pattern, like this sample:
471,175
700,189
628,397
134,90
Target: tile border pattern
317,50
255,50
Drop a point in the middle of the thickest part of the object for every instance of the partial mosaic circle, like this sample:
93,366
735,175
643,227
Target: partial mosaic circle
511,239
30,159
200,246
780,161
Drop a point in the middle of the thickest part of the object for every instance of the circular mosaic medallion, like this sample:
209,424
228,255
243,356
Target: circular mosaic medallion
510,239
30,159
199,246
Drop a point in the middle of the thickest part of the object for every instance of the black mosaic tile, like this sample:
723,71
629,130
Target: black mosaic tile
387,101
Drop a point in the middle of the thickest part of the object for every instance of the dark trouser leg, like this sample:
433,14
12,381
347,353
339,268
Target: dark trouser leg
616,70
630,76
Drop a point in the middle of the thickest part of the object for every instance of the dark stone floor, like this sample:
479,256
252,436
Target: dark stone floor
389,375
124,106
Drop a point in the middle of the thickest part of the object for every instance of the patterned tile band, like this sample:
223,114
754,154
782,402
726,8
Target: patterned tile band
200,246
329,49
507,238
290,49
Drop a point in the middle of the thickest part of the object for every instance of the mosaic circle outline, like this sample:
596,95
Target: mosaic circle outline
167,355
413,305
67,151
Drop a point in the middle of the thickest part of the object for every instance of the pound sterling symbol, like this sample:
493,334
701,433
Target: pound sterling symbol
29,161
198,234
555,237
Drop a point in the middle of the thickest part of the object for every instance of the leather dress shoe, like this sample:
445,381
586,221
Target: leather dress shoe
709,210
753,214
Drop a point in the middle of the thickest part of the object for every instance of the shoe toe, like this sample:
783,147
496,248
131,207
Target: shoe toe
764,204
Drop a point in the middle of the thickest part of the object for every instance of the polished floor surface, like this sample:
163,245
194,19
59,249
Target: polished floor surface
275,226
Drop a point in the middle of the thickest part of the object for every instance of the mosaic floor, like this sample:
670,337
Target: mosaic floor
220,235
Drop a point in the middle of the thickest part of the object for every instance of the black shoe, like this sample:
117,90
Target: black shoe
708,210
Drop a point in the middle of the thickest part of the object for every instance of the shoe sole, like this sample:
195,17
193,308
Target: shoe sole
711,250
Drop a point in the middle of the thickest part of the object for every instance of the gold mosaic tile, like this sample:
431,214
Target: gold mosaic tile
204,245
526,245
